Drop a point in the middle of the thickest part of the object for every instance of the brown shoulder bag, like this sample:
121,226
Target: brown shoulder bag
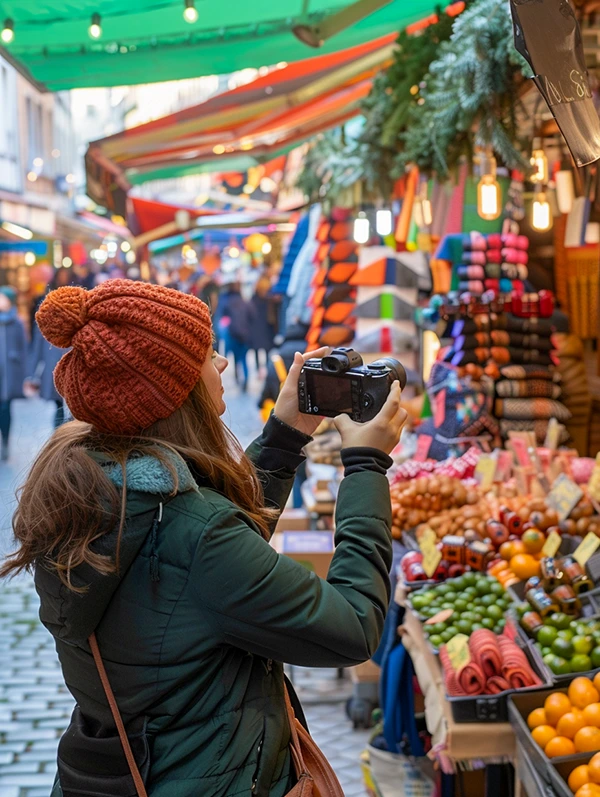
315,776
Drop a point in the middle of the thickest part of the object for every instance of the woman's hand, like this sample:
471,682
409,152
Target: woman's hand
286,407
383,432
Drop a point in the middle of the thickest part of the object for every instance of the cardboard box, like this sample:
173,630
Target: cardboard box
312,549
293,520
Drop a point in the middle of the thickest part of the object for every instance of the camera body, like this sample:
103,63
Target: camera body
341,383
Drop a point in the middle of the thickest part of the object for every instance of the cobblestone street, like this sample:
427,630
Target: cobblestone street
34,703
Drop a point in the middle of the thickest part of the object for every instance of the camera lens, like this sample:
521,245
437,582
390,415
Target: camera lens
395,367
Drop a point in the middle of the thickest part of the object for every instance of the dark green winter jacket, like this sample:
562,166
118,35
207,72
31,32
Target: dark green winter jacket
194,628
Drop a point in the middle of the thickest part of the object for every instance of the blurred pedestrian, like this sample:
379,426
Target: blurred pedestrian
294,340
206,289
263,327
236,322
13,358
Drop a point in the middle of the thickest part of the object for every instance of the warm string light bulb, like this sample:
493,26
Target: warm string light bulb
541,218
95,28
383,222
539,163
489,194
422,209
8,31
190,13
362,228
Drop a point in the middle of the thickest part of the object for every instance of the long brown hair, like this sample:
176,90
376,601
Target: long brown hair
68,502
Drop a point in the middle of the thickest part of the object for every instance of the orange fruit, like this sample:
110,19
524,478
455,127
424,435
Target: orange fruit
543,734
592,714
524,566
570,723
537,717
594,768
559,746
579,777
555,706
587,740
596,681
518,547
582,692
506,550
588,790
533,540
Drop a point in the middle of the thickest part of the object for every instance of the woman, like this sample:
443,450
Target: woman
145,522
13,352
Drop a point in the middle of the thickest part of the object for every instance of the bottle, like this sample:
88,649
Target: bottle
576,575
541,602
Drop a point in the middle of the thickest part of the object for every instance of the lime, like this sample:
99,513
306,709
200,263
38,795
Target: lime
470,579
421,599
436,640
562,647
596,657
566,633
443,589
549,658
497,588
460,605
522,608
582,644
484,587
497,629
464,627
546,635
437,628
495,612
472,617
546,651
581,663
452,630
460,584
559,620
559,666
488,600
447,605
476,627
471,591
446,637
487,622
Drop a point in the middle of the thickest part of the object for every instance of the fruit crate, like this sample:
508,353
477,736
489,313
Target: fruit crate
520,705
559,773
494,708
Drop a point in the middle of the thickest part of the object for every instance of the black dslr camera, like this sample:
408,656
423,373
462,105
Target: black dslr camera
341,383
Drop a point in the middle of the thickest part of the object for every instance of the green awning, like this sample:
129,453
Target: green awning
145,41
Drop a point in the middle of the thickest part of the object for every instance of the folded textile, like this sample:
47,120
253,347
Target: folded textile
472,286
527,388
501,337
496,684
514,271
534,409
542,326
471,272
528,356
515,667
475,257
539,428
493,271
528,372
484,648
511,255
464,342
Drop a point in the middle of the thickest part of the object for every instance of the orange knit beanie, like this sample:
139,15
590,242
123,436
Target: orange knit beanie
137,351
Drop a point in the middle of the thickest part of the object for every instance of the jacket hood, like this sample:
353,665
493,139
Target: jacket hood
73,616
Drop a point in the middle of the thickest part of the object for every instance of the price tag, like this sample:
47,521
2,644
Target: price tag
586,548
423,445
431,556
440,617
564,496
594,482
485,471
552,544
458,651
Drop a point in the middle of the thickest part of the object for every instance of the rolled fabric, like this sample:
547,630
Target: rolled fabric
515,668
495,240
474,286
493,271
474,241
474,258
493,256
450,680
471,272
496,684
471,679
484,648
515,256
506,285
513,241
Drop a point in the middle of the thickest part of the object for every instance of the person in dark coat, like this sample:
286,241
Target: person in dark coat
294,340
148,527
13,357
263,327
236,320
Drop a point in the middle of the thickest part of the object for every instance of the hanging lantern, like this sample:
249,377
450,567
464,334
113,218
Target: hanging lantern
489,194
383,222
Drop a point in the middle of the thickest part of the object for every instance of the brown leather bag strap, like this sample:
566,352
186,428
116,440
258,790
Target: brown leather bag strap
133,767
295,746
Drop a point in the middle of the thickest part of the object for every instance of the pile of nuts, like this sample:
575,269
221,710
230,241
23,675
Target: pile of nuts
419,500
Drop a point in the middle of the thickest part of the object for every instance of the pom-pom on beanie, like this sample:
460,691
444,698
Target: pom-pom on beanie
137,351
